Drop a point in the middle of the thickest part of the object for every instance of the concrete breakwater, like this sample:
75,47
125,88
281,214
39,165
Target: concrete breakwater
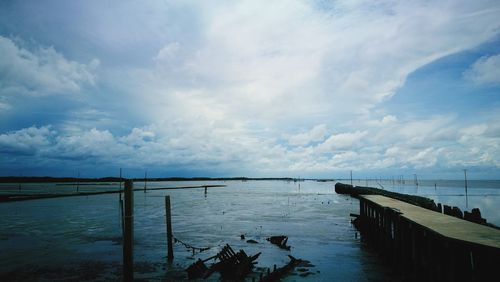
424,245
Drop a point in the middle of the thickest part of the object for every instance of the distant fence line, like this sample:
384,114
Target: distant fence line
25,197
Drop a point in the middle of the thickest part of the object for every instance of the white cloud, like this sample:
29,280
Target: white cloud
89,144
257,86
486,70
341,141
171,145
474,130
388,119
40,72
26,141
138,136
4,106
317,133
294,63
168,52
423,158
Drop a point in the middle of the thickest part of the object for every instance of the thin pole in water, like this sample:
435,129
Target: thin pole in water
120,189
128,238
145,180
466,197
120,202
170,250
351,177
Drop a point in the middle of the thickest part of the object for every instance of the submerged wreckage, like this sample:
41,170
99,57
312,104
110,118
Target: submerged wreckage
231,265
279,241
235,266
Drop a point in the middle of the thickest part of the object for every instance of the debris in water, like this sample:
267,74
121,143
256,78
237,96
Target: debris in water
231,265
278,273
280,241
197,270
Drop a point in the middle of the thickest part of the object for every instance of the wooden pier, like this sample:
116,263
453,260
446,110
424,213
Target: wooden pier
425,245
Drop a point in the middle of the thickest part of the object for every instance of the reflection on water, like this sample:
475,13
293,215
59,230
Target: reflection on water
73,235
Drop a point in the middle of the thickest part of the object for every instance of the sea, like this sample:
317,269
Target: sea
80,238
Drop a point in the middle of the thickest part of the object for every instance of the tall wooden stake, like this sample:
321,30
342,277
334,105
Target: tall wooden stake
78,183
170,250
466,197
128,238
122,217
120,189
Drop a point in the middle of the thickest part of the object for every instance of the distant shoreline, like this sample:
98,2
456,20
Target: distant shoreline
48,179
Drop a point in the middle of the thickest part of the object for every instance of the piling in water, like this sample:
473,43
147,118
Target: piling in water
170,250
128,236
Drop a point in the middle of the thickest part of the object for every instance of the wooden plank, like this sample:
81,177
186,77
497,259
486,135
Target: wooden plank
445,225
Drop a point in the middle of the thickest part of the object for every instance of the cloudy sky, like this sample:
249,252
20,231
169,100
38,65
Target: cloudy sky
250,88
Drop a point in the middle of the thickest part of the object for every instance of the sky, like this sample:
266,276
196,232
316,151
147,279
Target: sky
311,89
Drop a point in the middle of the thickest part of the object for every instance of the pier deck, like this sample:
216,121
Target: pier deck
445,225
425,245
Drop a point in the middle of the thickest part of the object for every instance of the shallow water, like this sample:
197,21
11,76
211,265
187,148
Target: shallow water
80,237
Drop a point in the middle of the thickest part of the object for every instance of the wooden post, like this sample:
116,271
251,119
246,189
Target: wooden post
128,236
120,189
170,251
205,191
466,197
122,217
